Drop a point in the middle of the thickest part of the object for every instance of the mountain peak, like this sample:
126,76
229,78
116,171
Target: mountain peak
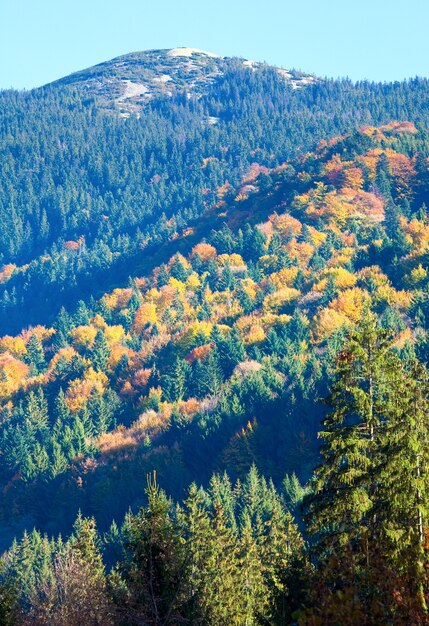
127,83
188,52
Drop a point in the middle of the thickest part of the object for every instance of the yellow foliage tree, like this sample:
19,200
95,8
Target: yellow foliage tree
328,322
14,345
81,389
205,251
343,279
234,260
114,334
196,329
13,374
279,298
285,277
63,354
145,314
177,284
256,334
118,299
350,303
42,333
193,281
417,275
83,336
99,322
287,226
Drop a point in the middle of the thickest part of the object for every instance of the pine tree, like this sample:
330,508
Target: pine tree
36,409
75,592
220,591
253,589
58,463
330,292
100,352
176,384
178,271
231,350
253,243
275,244
63,324
297,328
84,544
35,355
226,280
402,506
61,410
207,375
367,506
195,523
205,311
155,574
339,509
8,597
82,315
384,176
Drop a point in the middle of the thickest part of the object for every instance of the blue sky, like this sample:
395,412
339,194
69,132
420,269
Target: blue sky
41,40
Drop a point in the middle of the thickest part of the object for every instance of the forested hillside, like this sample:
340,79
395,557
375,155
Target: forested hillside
86,195
213,389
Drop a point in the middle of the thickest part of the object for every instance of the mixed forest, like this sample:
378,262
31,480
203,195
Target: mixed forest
214,396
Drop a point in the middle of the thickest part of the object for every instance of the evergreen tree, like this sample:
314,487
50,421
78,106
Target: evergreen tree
384,176
205,311
163,276
339,509
61,410
35,355
402,501
100,352
82,315
253,243
176,384
155,573
178,271
207,376
36,409
231,350
366,507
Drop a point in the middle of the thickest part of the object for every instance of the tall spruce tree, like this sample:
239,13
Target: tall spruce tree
367,506
402,505
100,352
339,509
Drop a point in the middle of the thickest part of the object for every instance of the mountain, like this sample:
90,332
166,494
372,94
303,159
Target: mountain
127,83
86,197
185,277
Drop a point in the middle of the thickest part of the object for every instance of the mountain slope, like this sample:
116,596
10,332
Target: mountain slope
85,195
216,357
127,83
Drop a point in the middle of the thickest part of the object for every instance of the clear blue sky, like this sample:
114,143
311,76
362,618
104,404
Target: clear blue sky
41,40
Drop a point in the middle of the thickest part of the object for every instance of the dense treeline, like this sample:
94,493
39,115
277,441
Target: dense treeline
230,554
84,193
233,555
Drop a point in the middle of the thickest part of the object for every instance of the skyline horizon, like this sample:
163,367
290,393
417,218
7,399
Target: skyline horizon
380,42
217,54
